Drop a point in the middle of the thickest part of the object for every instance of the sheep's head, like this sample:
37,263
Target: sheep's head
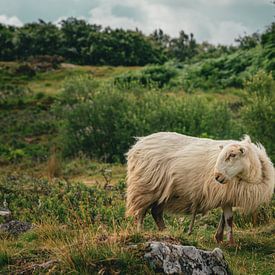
231,162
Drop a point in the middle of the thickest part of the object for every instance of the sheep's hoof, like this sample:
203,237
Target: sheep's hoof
219,238
161,228
231,242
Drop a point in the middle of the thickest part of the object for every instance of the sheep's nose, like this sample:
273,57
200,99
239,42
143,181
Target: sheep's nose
219,177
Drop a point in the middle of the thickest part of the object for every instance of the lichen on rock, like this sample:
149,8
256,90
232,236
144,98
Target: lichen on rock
179,259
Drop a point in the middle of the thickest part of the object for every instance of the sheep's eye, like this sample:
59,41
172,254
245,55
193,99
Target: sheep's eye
232,155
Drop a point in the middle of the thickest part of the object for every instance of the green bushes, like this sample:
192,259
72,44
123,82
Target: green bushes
37,200
104,125
227,70
28,126
13,95
258,115
157,76
102,121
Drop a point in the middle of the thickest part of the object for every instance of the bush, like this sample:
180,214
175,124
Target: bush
111,119
43,63
25,69
37,200
228,70
261,84
13,95
258,115
157,76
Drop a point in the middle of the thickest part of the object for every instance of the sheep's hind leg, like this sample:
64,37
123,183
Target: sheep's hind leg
190,230
140,219
157,213
220,230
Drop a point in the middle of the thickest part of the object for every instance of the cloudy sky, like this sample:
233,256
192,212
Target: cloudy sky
217,21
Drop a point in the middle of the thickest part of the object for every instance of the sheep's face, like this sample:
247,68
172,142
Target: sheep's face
230,163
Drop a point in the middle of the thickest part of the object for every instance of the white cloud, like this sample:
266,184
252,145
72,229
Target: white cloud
170,20
225,32
102,15
13,20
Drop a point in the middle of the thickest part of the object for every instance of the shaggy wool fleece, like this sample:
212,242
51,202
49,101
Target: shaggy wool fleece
178,171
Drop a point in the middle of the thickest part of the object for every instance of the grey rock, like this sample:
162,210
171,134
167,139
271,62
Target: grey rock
179,259
15,227
4,212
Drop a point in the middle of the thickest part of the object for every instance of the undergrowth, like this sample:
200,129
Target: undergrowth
82,229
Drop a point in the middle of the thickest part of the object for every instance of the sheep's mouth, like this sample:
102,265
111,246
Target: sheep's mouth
220,180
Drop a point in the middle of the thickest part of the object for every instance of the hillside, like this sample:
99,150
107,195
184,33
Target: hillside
65,129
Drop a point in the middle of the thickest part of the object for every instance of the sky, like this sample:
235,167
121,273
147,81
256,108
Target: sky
215,21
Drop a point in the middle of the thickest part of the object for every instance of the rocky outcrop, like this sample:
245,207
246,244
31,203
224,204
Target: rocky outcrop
178,259
15,227
11,226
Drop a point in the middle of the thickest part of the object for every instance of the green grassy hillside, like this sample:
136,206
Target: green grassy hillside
62,140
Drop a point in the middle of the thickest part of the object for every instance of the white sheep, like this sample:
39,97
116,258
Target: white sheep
181,174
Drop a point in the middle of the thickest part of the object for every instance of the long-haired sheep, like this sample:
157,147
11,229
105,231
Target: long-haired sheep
181,174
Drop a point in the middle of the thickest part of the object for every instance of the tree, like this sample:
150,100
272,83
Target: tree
7,50
184,47
37,39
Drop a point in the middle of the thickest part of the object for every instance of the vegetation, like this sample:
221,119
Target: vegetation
65,129
82,229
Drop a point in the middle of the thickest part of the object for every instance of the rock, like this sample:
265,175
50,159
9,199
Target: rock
15,227
179,259
4,212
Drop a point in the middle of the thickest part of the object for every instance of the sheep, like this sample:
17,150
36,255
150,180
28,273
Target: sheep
171,172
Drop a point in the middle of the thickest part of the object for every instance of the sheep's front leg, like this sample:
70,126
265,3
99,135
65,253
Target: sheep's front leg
228,217
220,229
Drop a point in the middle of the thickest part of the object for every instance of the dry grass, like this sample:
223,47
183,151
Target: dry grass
87,250
53,165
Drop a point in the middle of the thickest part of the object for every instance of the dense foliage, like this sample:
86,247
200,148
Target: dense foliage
111,118
83,43
79,42
36,200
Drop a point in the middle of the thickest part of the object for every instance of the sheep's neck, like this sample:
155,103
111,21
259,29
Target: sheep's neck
254,175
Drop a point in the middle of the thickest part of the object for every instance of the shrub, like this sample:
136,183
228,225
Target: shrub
157,76
258,115
228,70
25,69
44,63
13,95
261,84
37,200
111,119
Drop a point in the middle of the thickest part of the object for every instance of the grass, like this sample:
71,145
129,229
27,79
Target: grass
80,244
78,205
51,82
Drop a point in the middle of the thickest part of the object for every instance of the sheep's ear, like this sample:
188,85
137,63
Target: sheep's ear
247,139
242,150
221,147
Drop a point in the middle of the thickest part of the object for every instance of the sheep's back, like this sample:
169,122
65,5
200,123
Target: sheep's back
166,165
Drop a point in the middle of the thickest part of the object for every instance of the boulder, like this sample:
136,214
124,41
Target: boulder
178,259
